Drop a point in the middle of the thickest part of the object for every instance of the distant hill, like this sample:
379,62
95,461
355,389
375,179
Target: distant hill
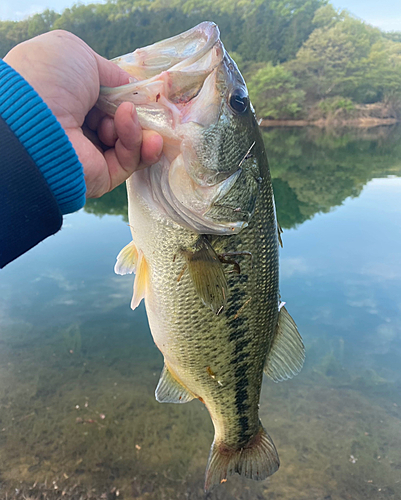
301,58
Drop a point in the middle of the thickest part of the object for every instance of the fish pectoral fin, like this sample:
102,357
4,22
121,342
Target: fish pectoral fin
287,354
141,283
169,390
127,260
207,274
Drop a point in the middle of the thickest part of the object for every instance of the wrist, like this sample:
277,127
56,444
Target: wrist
44,139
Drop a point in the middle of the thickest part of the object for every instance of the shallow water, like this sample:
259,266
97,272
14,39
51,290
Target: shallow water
78,368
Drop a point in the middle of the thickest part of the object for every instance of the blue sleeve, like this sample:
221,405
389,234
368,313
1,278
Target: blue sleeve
41,178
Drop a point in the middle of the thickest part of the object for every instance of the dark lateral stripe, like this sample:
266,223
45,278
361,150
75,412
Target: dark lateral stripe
239,321
244,424
239,337
241,396
240,358
241,371
233,308
240,345
242,407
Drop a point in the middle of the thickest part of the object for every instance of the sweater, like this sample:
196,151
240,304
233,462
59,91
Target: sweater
41,177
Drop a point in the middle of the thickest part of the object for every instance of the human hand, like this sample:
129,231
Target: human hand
67,74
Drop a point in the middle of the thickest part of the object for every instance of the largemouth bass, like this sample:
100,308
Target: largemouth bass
205,244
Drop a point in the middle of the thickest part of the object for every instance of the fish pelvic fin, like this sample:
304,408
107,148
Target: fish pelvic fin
141,283
287,354
207,274
127,260
258,459
169,390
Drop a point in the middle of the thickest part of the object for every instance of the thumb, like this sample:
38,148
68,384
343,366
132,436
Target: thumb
110,75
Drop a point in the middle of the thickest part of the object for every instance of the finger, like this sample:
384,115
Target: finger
123,159
134,148
107,131
92,136
129,132
94,163
152,145
94,117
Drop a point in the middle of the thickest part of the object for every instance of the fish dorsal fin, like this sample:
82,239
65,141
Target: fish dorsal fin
279,232
141,281
169,390
127,259
207,274
287,354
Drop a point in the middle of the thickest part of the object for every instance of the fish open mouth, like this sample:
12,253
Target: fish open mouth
181,89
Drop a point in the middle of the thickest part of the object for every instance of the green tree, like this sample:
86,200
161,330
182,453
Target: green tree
327,16
12,33
274,92
333,61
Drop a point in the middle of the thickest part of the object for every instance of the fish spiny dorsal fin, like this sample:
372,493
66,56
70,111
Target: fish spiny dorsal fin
141,281
257,459
127,260
169,390
287,354
207,274
279,233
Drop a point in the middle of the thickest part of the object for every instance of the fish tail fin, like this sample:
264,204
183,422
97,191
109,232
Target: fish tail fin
258,459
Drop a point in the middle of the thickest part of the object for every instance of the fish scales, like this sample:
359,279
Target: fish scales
204,211
179,320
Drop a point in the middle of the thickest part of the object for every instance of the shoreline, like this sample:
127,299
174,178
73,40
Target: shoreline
331,123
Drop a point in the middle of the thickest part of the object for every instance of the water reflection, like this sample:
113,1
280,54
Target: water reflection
78,368
314,171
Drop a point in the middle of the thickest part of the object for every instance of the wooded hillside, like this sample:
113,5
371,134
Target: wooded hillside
300,58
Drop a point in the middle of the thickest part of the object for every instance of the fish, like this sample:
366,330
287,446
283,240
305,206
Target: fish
205,243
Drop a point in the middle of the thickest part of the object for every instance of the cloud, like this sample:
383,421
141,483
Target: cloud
27,8
383,271
290,266
61,280
8,12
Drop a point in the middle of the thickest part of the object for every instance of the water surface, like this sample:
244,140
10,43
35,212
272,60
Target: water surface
78,368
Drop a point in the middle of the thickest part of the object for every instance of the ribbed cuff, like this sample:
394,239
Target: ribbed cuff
44,139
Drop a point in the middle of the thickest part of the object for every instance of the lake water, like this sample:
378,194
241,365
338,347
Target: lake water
78,368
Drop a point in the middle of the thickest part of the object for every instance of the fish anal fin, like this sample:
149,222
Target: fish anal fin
127,260
207,274
287,354
141,281
258,459
170,390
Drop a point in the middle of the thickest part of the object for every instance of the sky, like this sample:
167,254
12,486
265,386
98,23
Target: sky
385,14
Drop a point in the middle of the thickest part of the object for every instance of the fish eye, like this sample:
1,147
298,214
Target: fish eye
239,101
